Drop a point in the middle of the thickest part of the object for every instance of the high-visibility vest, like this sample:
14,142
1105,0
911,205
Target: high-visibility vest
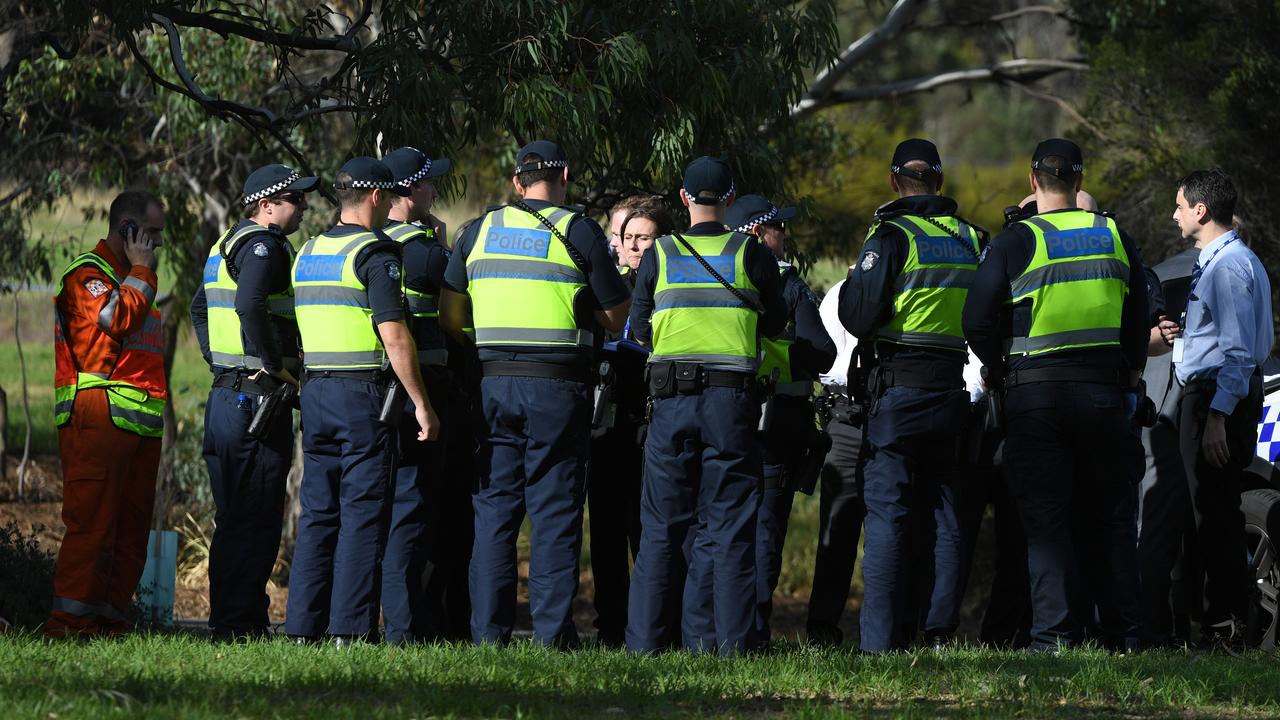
695,317
523,282
775,354
226,341
335,318
930,291
135,386
1076,281
424,308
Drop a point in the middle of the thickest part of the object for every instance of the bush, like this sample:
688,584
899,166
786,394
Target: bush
26,576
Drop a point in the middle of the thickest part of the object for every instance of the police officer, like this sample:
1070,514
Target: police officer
529,278
616,466
244,319
419,465
1069,287
792,444
359,350
702,300
905,294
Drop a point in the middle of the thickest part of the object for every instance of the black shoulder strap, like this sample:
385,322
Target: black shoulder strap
742,297
578,260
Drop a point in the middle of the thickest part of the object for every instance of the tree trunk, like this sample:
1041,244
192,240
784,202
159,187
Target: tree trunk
26,400
170,319
4,433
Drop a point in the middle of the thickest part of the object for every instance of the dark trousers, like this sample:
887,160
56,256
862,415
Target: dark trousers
613,500
1215,497
347,486
1006,620
1164,522
534,461
912,466
702,464
414,508
841,511
447,595
248,479
1067,458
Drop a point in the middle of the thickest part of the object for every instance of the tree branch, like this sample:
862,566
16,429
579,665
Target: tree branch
1051,10
341,43
1067,107
1019,72
825,81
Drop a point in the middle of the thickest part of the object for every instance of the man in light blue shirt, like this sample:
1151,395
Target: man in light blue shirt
1227,335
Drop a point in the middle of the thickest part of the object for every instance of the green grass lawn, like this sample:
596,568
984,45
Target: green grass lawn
182,676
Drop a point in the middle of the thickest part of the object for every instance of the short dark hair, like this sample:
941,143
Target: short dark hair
530,178
350,197
651,208
911,186
131,203
1213,188
1063,182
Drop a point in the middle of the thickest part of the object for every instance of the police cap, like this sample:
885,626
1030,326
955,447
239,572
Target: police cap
409,165
551,153
367,173
269,180
708,181
1063,148
914,149
749,211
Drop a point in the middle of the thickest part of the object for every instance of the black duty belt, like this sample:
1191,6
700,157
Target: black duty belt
377,377
519,368
729,379
1100,376
239,381
921,379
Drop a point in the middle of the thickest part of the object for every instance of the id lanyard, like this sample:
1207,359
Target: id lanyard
1191,297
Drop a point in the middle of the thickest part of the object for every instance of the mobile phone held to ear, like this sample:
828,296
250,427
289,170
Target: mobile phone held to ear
127,228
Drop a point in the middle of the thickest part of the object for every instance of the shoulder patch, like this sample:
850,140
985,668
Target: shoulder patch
261,249
96,287
869,260
393,270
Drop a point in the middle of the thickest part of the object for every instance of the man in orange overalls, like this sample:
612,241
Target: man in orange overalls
110,394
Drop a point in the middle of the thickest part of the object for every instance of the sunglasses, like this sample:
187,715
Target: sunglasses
293,198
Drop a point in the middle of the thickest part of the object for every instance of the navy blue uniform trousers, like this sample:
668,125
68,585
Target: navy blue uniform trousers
613,501
1068,459
912,467
414,509
702,466
534,461
348,469
841,511
248,479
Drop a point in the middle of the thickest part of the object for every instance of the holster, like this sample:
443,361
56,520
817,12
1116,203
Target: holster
280,399
393,400
605,412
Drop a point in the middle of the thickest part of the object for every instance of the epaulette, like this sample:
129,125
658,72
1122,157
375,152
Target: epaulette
493,208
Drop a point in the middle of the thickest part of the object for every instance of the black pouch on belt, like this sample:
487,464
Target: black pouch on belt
392,404
662,379
688,378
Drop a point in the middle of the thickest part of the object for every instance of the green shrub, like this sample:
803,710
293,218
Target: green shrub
26,577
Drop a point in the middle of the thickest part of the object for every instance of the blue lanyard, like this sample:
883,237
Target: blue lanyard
1195,279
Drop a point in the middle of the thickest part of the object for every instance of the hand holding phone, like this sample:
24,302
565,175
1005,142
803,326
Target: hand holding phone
138,247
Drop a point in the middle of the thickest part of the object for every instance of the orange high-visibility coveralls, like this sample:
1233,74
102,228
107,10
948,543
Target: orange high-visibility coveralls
107,329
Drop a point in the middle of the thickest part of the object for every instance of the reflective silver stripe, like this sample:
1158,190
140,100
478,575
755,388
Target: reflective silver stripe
669,246
108,311
141,286
1074,271
520,336
944,277
713,361
75,607
1095,336
220,297
352,360
735,242
798,388
63,407
404,232
709,297
1044,225
356,241
229,360
422,304
433,357
923,338
138,417
100,376
523,270
107,611
330,295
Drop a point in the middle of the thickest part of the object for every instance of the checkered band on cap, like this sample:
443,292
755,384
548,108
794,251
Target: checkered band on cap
1035,165
720,200
271,190
422,171
540,165
365,185
896,169
749,226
